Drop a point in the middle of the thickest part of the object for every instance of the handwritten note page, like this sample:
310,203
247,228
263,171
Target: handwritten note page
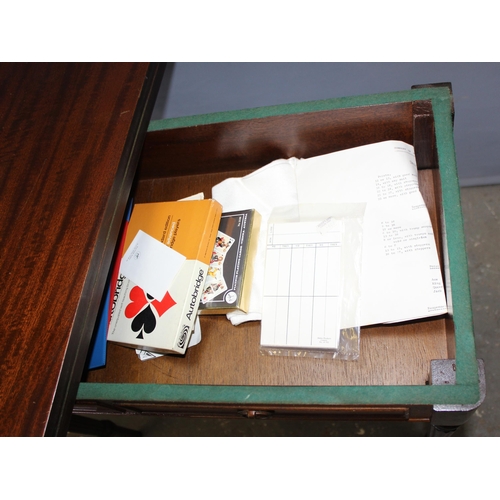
301,287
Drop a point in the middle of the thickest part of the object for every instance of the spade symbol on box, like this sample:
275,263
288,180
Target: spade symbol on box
144,318
145,322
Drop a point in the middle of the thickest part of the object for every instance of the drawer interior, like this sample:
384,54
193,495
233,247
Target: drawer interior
181,161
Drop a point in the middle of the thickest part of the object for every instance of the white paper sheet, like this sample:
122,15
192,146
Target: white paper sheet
151,265
401,275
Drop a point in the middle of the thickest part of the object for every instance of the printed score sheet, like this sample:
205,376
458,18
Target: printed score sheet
301,287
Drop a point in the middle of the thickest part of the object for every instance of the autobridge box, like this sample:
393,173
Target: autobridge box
163,322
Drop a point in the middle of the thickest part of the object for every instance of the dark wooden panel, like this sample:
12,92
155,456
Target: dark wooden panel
69,138
250,144
255,411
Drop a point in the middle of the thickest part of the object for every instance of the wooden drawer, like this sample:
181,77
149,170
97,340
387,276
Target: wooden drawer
225,374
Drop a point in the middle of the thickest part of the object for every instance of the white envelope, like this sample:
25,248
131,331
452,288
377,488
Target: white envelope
151,265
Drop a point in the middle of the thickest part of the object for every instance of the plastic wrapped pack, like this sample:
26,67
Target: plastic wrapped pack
312,283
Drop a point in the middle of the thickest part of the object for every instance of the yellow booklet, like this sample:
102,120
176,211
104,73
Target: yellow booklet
167,251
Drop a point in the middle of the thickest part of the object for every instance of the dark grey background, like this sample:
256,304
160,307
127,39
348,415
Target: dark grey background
198,88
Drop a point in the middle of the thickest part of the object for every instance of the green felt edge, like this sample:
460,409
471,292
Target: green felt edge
466,389
300,395
467,368
283,109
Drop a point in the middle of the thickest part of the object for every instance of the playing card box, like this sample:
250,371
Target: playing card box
229,276
144,315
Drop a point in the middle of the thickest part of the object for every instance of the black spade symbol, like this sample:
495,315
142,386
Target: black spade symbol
145,322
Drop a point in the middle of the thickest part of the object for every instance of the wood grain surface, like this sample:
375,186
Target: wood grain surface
229,355
70,135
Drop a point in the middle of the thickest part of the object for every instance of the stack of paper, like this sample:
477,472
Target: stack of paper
401,276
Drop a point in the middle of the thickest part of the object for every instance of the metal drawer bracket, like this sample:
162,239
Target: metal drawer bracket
446,419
